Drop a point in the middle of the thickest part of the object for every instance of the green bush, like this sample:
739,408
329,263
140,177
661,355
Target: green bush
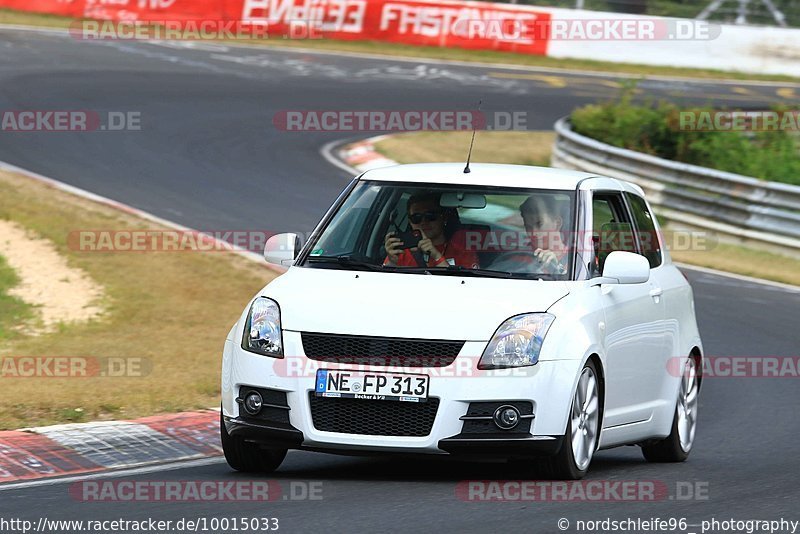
653,129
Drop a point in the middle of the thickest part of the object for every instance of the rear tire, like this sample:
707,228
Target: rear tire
248,457
583,431
677,446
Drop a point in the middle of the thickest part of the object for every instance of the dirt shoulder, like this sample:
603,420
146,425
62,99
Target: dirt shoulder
153,324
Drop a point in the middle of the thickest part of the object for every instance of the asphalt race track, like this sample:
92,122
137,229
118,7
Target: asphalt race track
209,157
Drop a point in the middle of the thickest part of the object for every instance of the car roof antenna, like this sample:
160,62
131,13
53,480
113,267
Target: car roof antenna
474,127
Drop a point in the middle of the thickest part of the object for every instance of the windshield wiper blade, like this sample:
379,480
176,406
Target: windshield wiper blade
457,270
346,261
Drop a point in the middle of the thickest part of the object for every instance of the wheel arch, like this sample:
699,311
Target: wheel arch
601,383
697,355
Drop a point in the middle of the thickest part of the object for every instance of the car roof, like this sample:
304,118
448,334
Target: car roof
496,174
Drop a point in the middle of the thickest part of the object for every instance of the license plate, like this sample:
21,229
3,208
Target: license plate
373,386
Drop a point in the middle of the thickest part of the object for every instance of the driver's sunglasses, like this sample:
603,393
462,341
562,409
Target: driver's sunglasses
429,216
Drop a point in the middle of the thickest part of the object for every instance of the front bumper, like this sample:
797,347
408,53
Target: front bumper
283,438
264,434
547,386
522,446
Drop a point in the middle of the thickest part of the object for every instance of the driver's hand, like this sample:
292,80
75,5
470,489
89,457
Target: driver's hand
426,246
393,247
547,258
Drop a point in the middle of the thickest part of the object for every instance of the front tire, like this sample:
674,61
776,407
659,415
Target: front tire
583,429
677,446
248,457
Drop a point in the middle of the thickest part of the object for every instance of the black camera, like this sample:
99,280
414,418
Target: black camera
409,238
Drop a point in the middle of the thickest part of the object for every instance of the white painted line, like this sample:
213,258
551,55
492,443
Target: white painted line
327,153
743,278
523,68
433,61
35,29
330,151
172,466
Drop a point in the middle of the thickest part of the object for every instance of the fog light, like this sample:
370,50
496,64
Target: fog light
506,417
252,403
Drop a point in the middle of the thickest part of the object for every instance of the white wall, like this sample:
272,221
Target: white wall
760,50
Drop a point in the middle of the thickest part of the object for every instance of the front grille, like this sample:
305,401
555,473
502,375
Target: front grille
488,426
375,418
382,351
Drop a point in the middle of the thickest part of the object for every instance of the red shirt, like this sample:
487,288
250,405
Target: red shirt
454,252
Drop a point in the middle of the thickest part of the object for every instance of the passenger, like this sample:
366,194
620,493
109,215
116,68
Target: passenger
441,243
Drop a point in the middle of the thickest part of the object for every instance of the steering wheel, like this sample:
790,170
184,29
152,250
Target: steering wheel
527,262
519,257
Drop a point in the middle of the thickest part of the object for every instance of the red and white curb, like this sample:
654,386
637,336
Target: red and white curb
83,448
362,155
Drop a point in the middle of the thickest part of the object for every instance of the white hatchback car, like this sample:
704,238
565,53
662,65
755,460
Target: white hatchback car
520,312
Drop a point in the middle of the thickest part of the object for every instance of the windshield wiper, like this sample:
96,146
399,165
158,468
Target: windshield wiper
346,261
457,270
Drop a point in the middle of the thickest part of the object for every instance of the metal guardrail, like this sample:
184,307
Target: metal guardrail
739,206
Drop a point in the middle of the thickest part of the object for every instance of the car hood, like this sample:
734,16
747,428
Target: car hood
405,305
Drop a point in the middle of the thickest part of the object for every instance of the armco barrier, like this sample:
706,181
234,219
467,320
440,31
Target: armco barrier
730,204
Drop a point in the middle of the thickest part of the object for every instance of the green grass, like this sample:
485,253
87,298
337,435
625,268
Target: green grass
454,54
13,311
23,18
523,148
171,310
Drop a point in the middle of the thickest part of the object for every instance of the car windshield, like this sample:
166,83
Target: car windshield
446,229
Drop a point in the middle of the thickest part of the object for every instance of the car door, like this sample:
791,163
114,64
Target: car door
668,288
634,315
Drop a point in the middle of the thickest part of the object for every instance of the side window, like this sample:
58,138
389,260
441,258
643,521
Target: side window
645,230
611,227
346,228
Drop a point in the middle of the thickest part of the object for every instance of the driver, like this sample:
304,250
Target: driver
441,243
544,216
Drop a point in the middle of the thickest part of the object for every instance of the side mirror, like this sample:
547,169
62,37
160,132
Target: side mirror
282,249
624,268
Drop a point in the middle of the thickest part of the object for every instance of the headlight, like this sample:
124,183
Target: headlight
517,342
262,332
